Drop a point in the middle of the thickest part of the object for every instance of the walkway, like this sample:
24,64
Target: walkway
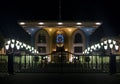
60,78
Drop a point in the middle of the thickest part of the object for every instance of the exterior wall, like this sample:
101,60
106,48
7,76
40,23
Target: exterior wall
2,51
69,34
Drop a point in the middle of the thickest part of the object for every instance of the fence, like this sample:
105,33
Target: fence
82,64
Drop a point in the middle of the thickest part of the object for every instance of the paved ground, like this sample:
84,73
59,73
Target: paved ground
60,78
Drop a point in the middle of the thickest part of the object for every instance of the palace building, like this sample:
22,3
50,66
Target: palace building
52,36
61,46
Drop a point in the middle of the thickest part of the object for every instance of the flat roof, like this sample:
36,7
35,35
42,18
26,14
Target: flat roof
29,24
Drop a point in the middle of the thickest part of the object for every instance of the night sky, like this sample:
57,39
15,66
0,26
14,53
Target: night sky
72,10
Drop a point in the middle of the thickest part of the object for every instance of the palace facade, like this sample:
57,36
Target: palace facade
50,37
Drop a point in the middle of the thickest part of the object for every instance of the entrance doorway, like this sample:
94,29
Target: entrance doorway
60,57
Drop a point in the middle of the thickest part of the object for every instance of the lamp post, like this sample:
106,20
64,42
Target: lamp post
109,46
10,47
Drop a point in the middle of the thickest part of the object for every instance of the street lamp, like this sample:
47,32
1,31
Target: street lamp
110,46
10,46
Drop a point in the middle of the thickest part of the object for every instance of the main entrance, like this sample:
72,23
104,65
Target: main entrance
58,58
59,55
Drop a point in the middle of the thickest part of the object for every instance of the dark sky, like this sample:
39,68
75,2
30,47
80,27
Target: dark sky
70,9
107,10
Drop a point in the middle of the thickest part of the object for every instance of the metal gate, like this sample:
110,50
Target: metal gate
29,63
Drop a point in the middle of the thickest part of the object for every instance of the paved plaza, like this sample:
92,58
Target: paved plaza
59,78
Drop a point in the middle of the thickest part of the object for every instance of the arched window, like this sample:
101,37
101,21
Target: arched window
42,41
78,42
78,38
42,37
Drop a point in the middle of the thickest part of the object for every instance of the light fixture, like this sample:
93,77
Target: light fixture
13,40
105,47
12,45
8,42
22,23
98,23
69,29
116,47
50,29
6,46
105,42
102,44
109,41
79,23
41,23
66,49
18,47
59,23
114,42
111,46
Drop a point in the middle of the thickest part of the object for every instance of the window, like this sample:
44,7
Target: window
42,49
41,39
78,49
78,38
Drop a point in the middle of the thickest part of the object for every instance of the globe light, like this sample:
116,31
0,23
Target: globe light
105,42
98,45
13,40
37,52
94,48
116,47
46,57
18,47
102,44
111,46
8,42
12,45
109,41
7,47
24,44
114,42
83,52
17,42
20,43
76,57
88,48
105,47
32,48
91,50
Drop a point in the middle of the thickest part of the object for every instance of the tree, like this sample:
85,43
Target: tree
2,41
